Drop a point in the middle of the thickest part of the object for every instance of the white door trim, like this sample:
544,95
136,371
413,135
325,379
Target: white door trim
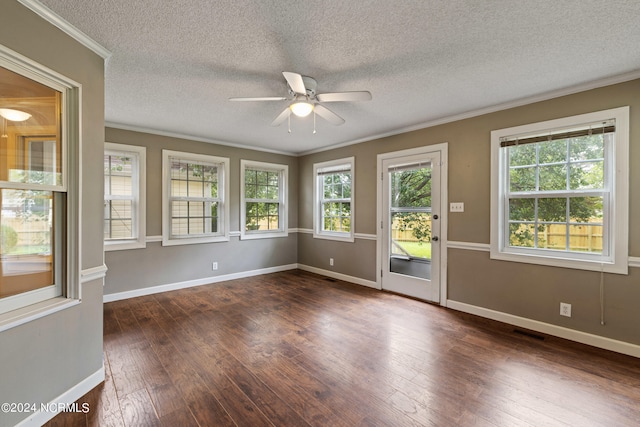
443,148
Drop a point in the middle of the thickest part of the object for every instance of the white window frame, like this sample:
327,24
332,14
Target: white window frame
283,199
616,217
318,170
222,163
138,196
66,291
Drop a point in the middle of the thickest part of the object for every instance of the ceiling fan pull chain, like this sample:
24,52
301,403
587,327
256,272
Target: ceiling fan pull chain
314,121
289,119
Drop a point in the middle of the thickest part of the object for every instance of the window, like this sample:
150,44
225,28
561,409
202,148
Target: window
560,192
194,198
333,192
38,230
124,197
263,188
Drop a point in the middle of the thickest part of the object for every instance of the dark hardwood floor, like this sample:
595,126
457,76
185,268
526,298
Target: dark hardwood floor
297,349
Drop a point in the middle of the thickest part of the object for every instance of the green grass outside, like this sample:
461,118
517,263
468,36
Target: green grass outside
417,249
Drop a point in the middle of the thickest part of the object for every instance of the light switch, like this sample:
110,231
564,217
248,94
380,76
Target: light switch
456,207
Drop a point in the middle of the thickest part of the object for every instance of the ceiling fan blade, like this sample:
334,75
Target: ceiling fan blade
328,115
295,82
262,98
281,117
362,95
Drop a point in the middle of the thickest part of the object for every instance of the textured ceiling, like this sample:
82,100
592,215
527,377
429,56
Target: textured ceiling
175,63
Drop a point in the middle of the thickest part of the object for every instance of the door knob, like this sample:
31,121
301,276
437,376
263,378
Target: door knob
434,238
435,217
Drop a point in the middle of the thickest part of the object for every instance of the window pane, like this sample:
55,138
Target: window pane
552,151
586,175
586,148
552,236
522,235
118,219
121,186
585,238
552,209
250,191
522,209
522,179
586,209
178,169
553,178
522,155
178,188
250,177
26,243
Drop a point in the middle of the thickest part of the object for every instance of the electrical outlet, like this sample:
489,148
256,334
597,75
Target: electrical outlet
565,309
331,262
456,207
214,266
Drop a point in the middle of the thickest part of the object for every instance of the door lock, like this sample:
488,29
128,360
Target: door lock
434,238
435,217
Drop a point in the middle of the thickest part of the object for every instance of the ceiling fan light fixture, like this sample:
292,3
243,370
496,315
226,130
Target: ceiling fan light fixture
301,108
14,115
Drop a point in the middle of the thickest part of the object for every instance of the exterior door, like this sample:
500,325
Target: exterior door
410,226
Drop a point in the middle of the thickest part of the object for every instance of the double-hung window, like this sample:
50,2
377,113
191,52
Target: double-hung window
334,194
38,188
195,208
560,192
263,188
124,196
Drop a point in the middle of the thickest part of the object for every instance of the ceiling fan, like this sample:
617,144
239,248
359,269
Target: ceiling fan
304,100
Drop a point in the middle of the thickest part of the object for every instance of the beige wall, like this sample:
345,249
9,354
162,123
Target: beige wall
44,358
157,265
528,291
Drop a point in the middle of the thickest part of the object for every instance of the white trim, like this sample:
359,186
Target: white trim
365,236
470,246
39,418
93,273
547,328
283,200
139,191
340,276
443,150
617,219
196,282
223,180
194,138
329,166
235,233
634,261
595,84
153,239
33,312
59,22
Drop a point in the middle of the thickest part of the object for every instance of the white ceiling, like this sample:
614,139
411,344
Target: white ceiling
175,63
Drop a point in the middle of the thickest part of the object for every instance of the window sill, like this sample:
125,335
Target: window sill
33,312
263,235
619,267
337,237
123,246
194,240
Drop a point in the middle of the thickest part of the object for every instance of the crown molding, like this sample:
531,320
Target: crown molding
594,84
57,21
151,131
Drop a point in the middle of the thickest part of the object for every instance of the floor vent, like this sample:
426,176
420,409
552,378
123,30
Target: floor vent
529,334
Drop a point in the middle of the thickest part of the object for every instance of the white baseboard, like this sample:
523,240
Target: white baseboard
547,328
339,276
191,283
65,400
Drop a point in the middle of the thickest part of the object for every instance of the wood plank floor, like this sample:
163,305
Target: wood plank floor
297,349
